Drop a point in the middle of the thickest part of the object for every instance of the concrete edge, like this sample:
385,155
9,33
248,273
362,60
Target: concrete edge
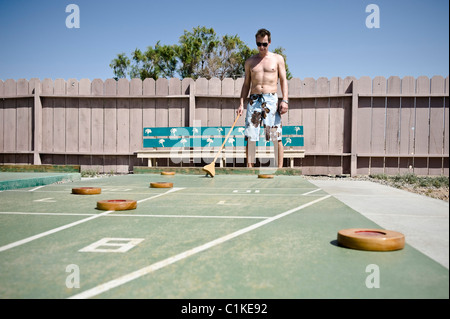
38,181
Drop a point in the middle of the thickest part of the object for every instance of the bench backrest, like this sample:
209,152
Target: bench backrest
213,136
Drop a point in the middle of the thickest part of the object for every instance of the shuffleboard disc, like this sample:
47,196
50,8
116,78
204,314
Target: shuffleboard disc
161,185
116,204
265,176
86,190
167,173
371,239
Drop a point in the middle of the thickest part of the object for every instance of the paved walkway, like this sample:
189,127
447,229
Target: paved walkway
423,220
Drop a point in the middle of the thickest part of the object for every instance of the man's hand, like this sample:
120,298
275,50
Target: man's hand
240,110
283,108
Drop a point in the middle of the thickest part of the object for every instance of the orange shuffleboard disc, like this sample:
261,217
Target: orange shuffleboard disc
167,173
116,204
265,176
371,239
161,185
86,190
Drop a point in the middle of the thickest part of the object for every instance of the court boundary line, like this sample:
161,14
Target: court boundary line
92,292
58,229
137,215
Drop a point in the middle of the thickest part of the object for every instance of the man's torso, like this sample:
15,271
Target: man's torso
264,74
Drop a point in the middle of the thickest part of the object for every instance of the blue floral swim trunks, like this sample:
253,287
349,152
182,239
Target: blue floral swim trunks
262,109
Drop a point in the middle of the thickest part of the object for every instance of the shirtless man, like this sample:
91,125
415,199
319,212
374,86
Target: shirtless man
261,78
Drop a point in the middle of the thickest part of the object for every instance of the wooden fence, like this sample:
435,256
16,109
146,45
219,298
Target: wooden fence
351,126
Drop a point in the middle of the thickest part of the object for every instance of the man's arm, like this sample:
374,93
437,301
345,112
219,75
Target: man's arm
245,88
283,84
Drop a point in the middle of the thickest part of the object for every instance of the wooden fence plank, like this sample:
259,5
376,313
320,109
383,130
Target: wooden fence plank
421,129
161,113
48,108
72,117
238,83
309,118
228,106
148,115
407,122
437,118
213,105
162,116
24,117
110,125
176,114
123,117
136,89
393,125
97,117
10,117
188,104
59,117
84,114
364,124
322,125
201,112
378,137
336,128
123,124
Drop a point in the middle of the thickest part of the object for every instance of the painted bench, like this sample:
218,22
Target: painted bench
190,143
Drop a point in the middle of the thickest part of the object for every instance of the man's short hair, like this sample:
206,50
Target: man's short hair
263,33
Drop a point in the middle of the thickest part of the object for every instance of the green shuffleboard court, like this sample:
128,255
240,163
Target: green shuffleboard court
231,236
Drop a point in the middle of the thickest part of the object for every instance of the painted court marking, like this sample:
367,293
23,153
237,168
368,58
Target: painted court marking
46,200
316,190
55,230
115,245
138,215
161,264
32,190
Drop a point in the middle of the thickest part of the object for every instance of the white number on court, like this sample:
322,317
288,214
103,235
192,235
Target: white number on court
112,245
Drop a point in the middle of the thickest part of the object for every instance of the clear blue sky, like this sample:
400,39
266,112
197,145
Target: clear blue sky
321,38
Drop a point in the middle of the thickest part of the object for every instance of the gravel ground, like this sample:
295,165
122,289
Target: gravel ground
441,193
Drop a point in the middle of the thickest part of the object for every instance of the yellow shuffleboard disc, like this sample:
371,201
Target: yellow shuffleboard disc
161,185
371,239
116,204
86,190
265,176
167,173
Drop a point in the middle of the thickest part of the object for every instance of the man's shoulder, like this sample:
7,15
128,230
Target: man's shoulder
253,57
278,56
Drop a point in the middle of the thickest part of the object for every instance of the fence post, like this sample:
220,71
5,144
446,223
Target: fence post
354,129
191,103
37,110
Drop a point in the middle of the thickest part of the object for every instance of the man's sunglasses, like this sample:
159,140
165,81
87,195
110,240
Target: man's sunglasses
264,44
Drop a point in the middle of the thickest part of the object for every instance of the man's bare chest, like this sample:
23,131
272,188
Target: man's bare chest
264,67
